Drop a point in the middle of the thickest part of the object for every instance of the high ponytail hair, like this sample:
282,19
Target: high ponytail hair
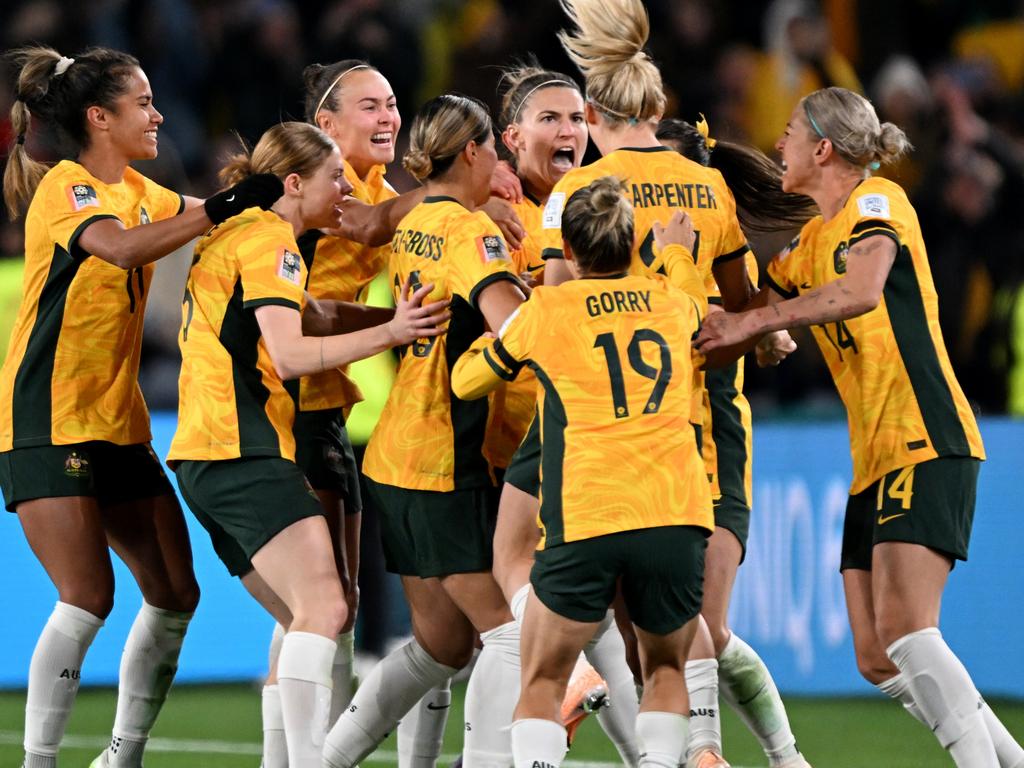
849,121
58,90
597,223
442,129
754,180
623,83
283,149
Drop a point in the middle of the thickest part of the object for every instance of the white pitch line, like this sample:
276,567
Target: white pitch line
210,747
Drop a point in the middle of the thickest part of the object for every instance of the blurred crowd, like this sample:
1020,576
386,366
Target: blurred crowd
950,73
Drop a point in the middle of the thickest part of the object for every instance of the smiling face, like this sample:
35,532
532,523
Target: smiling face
132,122
320,194
549,138
366,123
798,146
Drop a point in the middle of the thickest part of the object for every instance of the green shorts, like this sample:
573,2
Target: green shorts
662,571
732,509
435,533
323,452
931,503
244,503
524,469
111,474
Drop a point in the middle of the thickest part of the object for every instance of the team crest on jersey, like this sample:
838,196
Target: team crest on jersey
76,466
82,196
839,257
289,266
553,211
876,206
144,216
491,247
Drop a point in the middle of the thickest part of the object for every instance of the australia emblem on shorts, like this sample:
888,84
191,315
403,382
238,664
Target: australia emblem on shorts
75,465
839,257
83,196
289,266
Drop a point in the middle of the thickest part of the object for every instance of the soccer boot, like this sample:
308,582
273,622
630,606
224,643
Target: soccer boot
587,692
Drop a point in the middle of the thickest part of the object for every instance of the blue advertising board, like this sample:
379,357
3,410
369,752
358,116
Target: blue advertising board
788,602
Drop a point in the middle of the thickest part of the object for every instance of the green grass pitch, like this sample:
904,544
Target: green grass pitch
219,727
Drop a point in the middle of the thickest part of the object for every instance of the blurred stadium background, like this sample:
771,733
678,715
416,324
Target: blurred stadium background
950,73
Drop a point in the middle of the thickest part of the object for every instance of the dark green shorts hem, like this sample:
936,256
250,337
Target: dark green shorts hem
733,515
661,571
111,474
244,503
524,469
323,451
932,506
435,533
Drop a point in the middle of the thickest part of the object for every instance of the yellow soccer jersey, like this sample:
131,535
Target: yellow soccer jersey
341,270
659,182
231,402
71,372
613,359
513,404
890,364
427,439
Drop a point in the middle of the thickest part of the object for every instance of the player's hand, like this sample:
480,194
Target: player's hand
261,189
721,329
505,183
504,215
415,320
678,230
773,348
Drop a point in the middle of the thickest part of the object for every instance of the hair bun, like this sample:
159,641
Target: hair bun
418,163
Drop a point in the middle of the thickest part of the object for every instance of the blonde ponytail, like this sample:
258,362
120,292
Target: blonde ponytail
608,47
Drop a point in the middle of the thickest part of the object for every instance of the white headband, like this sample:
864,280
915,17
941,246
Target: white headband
526,98
62,66
323,98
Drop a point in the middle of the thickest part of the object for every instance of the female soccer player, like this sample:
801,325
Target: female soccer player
426,469
743,678
625,100
623,494
75,460
243,335
545,134
858,275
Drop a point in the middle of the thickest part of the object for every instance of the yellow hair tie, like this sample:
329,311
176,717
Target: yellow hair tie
702,129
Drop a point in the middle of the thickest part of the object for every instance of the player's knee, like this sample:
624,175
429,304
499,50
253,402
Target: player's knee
874,666
97,599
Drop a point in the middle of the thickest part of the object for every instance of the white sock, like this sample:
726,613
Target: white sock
745,682
538,743
705,722
661,738
607,653
274,651
898,688
943,691
491,698
304,685
148,665
518,603
421,730
54,675
275,748
389,691
1009,752
341,675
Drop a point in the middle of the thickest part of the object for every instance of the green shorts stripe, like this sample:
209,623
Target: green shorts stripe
324,453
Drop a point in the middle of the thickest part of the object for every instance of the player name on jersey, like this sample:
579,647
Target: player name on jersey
618,301
673,195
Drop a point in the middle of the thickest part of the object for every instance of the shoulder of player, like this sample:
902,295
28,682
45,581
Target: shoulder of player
878,198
